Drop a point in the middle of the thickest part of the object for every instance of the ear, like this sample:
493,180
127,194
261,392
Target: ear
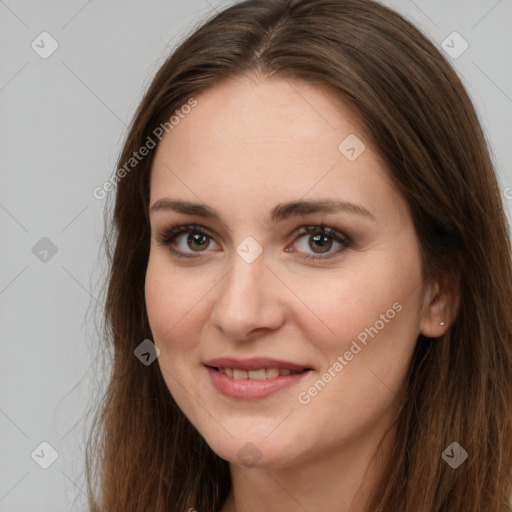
441,304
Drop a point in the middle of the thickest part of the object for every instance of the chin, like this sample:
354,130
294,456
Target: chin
254,450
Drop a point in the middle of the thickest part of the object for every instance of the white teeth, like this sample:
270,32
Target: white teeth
272,373
257,374
261,374
239,374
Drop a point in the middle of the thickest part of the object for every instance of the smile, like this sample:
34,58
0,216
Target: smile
253,384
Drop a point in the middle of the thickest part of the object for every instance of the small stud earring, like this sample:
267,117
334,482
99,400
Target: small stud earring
442,323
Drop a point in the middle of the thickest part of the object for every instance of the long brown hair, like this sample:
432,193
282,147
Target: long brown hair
143,454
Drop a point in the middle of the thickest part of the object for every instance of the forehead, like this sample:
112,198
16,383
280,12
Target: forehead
238,117
257,139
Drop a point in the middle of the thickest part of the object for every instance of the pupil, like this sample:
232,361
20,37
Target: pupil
201,241
322,243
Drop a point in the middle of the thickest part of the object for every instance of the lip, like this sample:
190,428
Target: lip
252,389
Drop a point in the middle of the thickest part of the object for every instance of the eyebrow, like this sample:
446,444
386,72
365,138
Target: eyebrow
279,213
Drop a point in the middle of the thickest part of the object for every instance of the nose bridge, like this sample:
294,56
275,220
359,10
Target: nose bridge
244,285
245,301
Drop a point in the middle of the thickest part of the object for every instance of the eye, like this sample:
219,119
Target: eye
320,240
189,241
198,239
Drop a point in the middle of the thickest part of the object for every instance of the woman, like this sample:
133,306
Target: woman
310,285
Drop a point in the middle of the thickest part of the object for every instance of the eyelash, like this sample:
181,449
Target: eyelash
168,236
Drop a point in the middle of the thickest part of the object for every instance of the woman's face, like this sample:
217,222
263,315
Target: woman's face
316,329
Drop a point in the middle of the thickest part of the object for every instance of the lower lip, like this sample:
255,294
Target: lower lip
251,389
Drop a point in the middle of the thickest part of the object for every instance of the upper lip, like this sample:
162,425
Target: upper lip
254,363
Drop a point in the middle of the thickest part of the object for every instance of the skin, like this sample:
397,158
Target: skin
247,146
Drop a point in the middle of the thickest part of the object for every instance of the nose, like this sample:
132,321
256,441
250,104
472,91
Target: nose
248,300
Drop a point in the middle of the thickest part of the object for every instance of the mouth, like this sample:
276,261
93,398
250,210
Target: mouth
253,378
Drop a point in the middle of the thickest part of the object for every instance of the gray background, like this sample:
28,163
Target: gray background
63,120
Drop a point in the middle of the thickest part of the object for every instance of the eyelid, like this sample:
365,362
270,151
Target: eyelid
322,228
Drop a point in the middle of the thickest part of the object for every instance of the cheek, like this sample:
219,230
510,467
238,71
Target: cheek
173,300
369,317
364,362
339,307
